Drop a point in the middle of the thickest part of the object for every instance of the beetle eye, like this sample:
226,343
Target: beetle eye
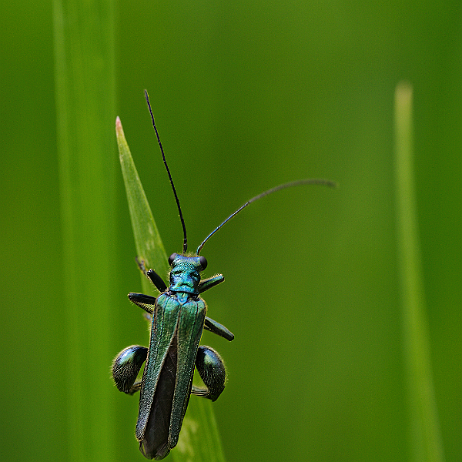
203,262
171,258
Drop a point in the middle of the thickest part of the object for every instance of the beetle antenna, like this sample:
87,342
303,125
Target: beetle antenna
329,183
185,239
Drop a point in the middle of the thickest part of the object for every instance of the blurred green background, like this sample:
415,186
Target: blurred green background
246,96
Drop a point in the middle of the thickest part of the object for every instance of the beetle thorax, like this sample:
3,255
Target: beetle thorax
185,275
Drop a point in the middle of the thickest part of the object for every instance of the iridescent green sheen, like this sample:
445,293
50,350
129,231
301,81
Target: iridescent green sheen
178,319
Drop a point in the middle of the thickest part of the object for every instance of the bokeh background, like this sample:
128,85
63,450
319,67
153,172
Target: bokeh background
248,95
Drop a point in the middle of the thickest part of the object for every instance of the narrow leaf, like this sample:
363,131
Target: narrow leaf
149,247
426,440
85,102
199,438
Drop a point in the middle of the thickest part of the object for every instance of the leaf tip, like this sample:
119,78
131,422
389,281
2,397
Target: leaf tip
119,130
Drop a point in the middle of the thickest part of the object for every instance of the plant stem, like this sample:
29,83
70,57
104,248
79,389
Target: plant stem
425,439
85,101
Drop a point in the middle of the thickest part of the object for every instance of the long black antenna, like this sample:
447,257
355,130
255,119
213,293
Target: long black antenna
332,184
185,239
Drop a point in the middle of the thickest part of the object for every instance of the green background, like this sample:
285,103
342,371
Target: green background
248,95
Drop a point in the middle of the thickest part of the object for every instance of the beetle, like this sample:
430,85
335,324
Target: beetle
178,317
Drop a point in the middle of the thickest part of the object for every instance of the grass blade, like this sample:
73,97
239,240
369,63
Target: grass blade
85,100
148,243
199,439
426,439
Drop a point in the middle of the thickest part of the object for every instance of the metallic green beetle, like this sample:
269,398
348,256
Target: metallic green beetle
178,317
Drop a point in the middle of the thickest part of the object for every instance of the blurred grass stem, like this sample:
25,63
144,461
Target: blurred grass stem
426,441
85,107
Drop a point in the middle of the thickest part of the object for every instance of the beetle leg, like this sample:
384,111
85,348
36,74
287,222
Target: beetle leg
152,275
218,329
208,283
126,366
146,302
212,371
141,265
157,280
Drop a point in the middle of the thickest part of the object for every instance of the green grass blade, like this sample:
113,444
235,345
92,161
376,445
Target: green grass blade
199,438
426,440
148,243
85,100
